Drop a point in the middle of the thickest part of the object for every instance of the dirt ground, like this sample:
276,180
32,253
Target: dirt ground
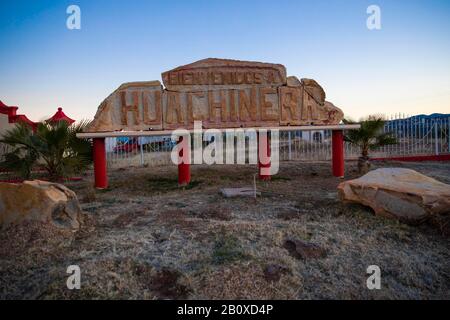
145,238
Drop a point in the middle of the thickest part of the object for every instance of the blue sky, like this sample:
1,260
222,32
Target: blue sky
402,68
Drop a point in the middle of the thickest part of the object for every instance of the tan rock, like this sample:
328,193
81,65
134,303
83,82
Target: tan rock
214,74
239,192
41,201
330,114
292,81
315,90
133,106
246,107
221,93
298,107
398,193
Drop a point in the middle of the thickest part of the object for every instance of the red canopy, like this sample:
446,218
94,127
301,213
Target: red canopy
61,116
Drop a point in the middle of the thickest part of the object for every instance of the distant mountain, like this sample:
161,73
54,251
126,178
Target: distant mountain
432,116
424,117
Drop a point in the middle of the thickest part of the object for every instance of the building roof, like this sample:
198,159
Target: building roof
61,116
13,117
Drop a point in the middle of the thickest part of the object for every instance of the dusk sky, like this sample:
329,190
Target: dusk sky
402,68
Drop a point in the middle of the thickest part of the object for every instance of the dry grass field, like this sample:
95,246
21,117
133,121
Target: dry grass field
144,238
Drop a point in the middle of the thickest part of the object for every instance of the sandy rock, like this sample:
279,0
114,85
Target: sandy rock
133,106
222,93
331,114
39,201
315,90
299,107
398,193
213,74
293,81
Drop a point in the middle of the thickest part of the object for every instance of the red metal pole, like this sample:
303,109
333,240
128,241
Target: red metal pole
184,169
264,154
101,178
338,153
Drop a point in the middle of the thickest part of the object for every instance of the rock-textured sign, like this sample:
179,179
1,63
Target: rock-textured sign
222,94
133,106
213,74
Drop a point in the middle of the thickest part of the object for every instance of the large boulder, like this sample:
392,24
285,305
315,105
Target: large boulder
41,201
398,193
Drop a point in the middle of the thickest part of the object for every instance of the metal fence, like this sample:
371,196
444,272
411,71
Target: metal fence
418,135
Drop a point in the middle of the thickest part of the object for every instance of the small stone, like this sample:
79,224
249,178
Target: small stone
166,284
304,250
288,214
215,213
273,272
239,192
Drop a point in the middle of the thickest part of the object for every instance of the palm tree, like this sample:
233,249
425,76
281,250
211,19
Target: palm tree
54,146
369,137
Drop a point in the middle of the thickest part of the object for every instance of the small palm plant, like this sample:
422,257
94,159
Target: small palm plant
53,146
369,137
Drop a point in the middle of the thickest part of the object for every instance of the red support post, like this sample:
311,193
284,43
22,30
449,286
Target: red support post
101,178
264,154
338,153
184,167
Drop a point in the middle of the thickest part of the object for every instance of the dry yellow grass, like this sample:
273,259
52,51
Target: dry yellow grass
144,234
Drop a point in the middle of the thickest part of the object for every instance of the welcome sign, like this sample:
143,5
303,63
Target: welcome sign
222,94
